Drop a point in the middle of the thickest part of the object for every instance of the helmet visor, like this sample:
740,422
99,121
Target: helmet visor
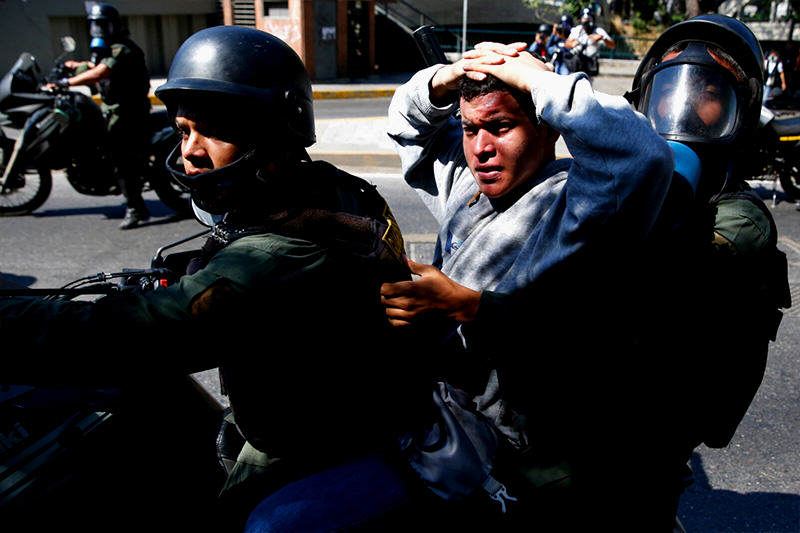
98,28
691,101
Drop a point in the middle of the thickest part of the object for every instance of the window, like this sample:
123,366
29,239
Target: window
276,9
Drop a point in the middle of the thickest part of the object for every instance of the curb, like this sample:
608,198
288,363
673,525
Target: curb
322,94
359,159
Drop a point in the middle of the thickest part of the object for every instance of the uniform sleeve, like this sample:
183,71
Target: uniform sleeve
119,53
179,329
428,140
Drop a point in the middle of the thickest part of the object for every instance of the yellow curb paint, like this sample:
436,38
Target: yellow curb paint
354,93
318,95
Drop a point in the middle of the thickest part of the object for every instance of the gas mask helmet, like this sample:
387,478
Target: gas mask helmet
694,101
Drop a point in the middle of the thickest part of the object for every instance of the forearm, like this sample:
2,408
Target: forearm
76,343
90,76
428,140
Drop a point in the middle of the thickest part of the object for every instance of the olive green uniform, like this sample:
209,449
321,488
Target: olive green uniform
288,307
126,107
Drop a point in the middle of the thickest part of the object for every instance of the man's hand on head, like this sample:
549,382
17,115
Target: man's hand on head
513,69
445,82
409,301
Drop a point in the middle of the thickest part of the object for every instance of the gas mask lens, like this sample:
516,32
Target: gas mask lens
691,101
98,29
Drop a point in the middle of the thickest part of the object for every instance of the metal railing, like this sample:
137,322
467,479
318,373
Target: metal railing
410,18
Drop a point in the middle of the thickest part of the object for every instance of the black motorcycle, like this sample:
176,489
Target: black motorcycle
42,130
117,458
776,153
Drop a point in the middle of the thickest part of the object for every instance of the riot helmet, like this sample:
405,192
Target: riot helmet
566,22
700,85
104,21
252,77
545,29
587,19
701,81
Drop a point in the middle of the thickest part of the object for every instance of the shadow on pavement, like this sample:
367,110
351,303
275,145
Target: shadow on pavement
13,281
703,508
158,211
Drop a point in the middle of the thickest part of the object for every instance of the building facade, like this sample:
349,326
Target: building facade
158,26
335,38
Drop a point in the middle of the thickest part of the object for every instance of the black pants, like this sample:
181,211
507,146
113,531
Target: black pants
127,141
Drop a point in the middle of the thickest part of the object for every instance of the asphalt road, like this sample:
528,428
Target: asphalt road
752,485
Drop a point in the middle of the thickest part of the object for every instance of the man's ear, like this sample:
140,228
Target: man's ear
551,135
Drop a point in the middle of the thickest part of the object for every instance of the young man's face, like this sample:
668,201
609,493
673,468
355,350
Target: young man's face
204,147
502,146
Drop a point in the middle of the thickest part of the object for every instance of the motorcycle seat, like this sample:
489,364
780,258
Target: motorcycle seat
786,125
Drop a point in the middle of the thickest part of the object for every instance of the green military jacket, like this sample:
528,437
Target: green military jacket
129,85
294,322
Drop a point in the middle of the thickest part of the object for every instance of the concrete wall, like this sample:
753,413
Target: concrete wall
158,26
449,12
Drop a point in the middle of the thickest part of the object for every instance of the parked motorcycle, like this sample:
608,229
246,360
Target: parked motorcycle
135,456
42,130
777,148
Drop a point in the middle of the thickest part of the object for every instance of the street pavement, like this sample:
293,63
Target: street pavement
752,485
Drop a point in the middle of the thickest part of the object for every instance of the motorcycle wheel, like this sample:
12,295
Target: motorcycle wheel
25,192
790,180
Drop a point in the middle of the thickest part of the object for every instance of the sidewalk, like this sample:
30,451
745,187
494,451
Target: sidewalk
384,85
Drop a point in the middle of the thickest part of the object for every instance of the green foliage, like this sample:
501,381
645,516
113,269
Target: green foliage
573,7
639,24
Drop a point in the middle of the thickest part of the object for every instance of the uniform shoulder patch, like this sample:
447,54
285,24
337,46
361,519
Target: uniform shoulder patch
216,298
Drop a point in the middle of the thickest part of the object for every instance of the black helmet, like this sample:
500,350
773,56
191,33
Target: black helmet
249,64
566,22
104,20
717,58
258,77
545,28
587,13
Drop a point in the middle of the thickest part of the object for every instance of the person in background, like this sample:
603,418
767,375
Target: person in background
557,52
117,69
539,45
774,76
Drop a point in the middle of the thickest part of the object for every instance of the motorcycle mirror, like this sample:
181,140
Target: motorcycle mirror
68,43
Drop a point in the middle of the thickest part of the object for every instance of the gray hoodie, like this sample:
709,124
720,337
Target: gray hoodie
620,168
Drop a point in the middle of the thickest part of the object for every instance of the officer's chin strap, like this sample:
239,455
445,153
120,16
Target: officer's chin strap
204,217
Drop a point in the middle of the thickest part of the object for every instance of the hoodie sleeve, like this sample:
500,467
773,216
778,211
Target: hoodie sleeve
428,140
618,180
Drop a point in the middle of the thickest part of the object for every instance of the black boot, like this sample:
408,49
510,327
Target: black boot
134,216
